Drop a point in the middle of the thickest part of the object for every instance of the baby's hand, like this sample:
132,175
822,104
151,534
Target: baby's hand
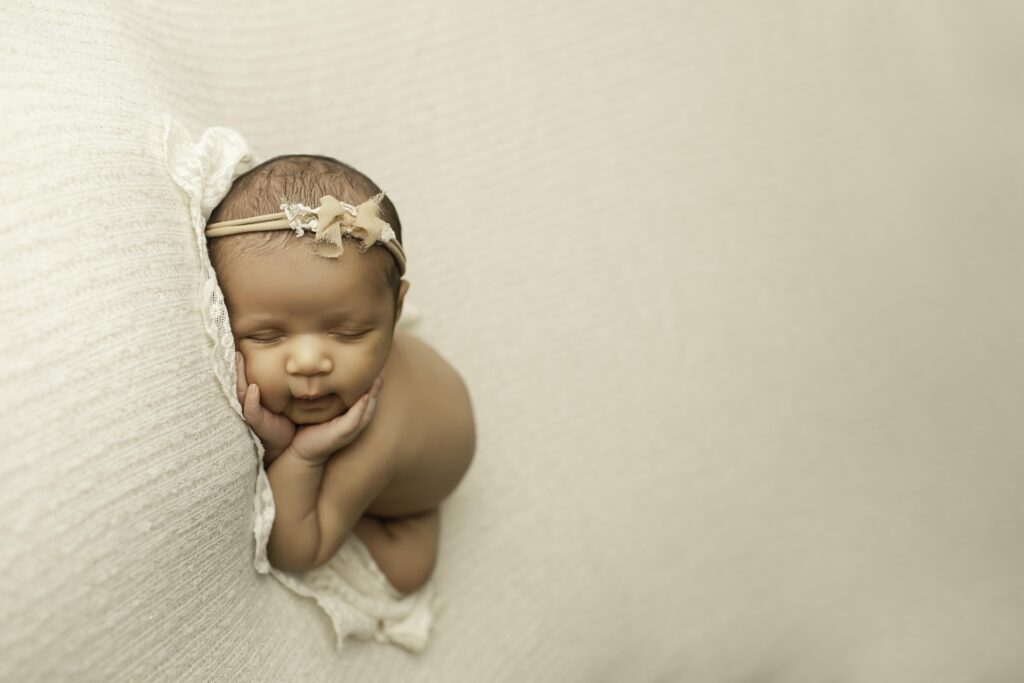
275,431
316,443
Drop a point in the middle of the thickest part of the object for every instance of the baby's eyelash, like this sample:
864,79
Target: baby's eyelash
263,341
343,335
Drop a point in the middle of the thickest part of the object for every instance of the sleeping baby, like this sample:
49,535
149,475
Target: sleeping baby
366,429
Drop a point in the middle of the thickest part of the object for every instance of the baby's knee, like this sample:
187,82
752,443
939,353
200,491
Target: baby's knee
413,572
416,548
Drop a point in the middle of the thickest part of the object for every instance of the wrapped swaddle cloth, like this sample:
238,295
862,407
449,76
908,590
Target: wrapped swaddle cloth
350,587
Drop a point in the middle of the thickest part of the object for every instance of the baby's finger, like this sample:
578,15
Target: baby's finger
371,406
349,423
319,441
251,407
364,419
240,383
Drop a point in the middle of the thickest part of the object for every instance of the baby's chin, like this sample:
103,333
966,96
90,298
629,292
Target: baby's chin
312,416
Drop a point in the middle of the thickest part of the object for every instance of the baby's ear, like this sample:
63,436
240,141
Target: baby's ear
403,287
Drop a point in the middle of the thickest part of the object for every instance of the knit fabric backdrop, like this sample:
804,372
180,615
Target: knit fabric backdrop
734,287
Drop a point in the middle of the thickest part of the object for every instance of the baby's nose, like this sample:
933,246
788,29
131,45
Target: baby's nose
307,357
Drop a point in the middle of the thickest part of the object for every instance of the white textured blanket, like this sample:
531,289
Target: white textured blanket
734,287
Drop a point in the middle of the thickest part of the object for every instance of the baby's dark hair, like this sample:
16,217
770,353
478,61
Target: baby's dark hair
301,178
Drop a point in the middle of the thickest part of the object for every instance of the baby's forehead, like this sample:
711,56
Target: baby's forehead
267,291
282,257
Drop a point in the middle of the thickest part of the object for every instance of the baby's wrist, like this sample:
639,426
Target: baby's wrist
272,452
312,460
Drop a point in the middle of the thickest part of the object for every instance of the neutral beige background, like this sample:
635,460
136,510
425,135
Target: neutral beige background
735,287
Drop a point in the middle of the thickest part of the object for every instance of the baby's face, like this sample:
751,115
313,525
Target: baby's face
312,327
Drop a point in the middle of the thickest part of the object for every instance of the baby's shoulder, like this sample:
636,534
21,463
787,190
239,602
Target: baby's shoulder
432,388
418,363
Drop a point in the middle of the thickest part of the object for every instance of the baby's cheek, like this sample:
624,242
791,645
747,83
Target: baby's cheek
259,371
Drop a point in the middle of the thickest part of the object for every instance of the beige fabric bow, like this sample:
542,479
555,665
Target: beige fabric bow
335,219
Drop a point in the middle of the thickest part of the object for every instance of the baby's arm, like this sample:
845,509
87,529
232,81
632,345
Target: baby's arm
295,481
354,478
409,458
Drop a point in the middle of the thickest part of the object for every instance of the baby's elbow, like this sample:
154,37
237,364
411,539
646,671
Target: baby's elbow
470,443
468,425
282,560
460,441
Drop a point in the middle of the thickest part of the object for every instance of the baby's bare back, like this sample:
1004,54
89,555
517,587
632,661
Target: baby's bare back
423,425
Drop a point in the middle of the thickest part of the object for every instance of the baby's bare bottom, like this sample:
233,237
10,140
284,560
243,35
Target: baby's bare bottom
405,548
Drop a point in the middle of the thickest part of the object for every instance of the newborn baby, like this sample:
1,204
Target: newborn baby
366,430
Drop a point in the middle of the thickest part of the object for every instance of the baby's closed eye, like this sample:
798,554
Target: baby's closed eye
350,335
269,339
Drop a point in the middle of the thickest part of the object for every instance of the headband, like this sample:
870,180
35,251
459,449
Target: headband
328,222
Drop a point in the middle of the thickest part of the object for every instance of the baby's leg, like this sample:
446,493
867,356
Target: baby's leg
404,548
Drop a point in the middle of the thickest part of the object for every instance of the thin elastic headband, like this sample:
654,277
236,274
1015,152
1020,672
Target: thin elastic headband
337,218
